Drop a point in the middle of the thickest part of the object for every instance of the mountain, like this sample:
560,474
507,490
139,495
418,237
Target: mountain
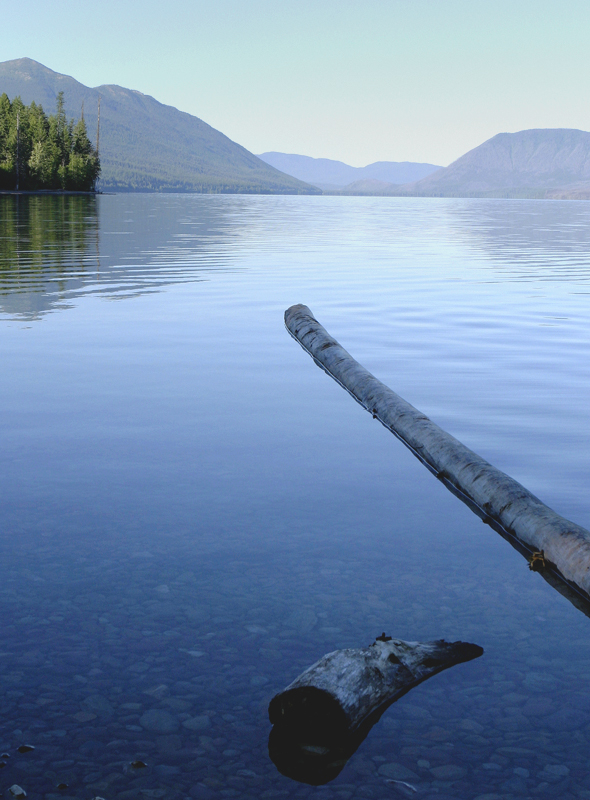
145,145
329,175
542,163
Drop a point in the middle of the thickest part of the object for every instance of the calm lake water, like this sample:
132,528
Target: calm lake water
193,512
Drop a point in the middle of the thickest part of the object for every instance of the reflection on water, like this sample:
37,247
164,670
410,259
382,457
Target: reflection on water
546,241
54,249
46,244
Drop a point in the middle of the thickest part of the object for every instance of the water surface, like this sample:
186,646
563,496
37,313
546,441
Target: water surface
192,512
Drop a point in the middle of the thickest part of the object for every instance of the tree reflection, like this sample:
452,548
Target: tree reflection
44,239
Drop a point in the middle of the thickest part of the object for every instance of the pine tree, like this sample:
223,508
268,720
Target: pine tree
52,152
6,181
40,163
84,167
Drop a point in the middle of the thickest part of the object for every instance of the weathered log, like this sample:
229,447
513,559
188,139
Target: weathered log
557,548
337,693
321,718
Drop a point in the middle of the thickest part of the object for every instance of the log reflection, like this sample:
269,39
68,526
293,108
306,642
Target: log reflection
311,758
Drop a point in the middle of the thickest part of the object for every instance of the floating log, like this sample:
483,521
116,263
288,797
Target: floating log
321,718
557,548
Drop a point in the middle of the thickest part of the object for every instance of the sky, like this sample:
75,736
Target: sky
377,80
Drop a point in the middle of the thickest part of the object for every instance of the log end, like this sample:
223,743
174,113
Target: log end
307,708
297,314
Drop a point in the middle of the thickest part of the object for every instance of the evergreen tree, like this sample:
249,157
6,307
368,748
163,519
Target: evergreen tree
44,152
20,141
6,180
83,167
41,160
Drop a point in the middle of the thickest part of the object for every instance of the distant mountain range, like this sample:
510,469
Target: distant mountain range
148,146
539,163
332,175
145,145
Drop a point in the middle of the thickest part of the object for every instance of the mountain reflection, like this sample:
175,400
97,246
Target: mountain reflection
527,239
55,249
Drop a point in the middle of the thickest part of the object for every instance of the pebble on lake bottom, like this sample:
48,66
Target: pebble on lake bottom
200,724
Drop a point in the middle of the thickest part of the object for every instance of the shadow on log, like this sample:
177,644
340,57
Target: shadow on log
323,716
555,547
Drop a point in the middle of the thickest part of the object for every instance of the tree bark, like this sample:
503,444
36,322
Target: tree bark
562,547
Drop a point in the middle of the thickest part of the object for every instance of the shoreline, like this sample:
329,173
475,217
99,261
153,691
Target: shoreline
46,192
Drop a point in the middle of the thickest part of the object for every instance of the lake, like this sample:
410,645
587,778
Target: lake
193,512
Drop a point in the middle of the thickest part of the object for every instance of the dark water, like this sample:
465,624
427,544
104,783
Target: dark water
192,512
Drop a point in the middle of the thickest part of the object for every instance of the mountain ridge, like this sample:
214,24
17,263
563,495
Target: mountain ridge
146,145
330,175
550,163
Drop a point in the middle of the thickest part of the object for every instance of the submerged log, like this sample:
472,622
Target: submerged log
337,694
321,718
557,548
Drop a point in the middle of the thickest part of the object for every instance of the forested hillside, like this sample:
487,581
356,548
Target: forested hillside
145,145
44,152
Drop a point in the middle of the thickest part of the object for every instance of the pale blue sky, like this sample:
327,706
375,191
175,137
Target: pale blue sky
377,80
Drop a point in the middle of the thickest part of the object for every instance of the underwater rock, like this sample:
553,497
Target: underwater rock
159,721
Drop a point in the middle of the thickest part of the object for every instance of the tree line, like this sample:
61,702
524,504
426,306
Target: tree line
44,152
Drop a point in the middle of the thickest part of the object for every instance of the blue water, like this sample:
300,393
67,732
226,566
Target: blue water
193,513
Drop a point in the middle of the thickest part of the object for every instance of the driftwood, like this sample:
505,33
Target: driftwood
321,718
557,548
337,693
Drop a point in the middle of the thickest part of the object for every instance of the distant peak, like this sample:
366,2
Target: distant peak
538,162
29,69
29,62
